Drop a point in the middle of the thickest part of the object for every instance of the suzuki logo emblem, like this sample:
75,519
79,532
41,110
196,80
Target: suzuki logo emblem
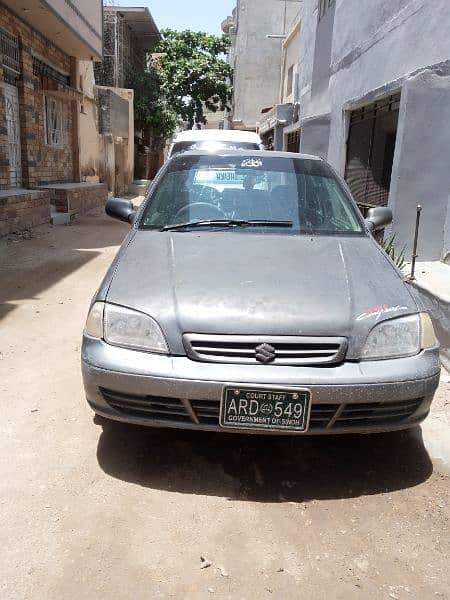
265,353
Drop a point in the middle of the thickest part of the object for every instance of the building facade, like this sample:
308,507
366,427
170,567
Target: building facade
257,29
41,43
279,126
375,101
130,34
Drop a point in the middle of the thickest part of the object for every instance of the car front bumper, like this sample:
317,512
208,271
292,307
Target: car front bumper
169,391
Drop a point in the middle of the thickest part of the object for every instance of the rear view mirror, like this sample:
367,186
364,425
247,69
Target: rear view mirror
378,218
121,209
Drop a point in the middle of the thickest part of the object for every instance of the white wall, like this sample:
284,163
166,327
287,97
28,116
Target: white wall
379,48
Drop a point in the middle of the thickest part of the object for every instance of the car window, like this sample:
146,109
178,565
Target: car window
212,146
302,191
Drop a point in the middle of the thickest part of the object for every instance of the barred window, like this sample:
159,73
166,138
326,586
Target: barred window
9,56
54,123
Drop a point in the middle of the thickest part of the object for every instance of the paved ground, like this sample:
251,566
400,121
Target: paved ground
110,511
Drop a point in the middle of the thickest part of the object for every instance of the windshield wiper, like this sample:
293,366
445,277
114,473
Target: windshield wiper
228,223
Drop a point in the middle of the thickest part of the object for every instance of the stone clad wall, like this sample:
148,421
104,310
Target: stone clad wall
23,210
79,198
41,163
4,153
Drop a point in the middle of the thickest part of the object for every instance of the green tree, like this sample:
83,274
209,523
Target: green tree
152,112
194,73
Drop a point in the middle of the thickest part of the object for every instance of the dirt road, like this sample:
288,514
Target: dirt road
112,511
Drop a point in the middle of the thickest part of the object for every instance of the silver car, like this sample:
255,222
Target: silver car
250,296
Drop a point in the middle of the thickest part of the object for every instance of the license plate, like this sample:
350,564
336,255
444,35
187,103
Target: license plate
263,408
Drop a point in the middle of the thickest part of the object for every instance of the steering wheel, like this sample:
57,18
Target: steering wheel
209,195
198,211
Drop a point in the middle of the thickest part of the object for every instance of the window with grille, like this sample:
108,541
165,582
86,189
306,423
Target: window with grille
293,141
54,123
9,56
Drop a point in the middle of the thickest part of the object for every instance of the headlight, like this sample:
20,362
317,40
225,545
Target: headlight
404,336
94,323
124,327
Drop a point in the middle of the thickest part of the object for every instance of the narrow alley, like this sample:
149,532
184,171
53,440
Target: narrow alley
93,509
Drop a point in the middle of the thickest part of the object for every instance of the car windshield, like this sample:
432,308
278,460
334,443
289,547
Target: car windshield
300,195
212,146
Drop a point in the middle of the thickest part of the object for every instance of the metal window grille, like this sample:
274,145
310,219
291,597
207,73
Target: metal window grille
41,69
121,53
54,121
9,55
293,141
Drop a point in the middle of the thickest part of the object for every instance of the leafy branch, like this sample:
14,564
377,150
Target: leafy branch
194,74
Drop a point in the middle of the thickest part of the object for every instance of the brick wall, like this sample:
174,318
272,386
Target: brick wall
41,163
24,210
4,152
80,198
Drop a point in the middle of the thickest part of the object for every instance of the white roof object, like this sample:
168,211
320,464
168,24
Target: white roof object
217,135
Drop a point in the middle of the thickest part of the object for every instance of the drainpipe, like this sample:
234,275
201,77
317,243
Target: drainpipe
75,108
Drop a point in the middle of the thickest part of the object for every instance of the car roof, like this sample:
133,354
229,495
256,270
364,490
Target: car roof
247,153
219,135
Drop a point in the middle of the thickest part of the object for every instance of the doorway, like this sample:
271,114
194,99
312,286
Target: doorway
370,152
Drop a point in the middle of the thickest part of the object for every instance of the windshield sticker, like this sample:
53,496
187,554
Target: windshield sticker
380,311
252,162
218,176
227,176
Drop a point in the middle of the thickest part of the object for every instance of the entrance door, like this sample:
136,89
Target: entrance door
370,152
13,129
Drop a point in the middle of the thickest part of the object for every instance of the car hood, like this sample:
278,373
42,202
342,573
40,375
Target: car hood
242,282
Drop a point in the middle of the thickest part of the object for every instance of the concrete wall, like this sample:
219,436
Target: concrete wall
315,135
378,48
257,59
421,163
83,16
91,145
113,112
128,96
214,119
290,59
106,144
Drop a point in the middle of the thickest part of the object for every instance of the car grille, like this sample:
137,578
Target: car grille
287,350
206,412
159,409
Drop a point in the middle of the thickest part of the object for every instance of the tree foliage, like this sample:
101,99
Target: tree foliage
194,73
152,112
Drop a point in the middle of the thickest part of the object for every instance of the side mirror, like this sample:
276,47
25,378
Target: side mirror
120,209
378,218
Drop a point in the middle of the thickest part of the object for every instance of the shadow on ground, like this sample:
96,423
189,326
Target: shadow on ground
263,468
30,266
